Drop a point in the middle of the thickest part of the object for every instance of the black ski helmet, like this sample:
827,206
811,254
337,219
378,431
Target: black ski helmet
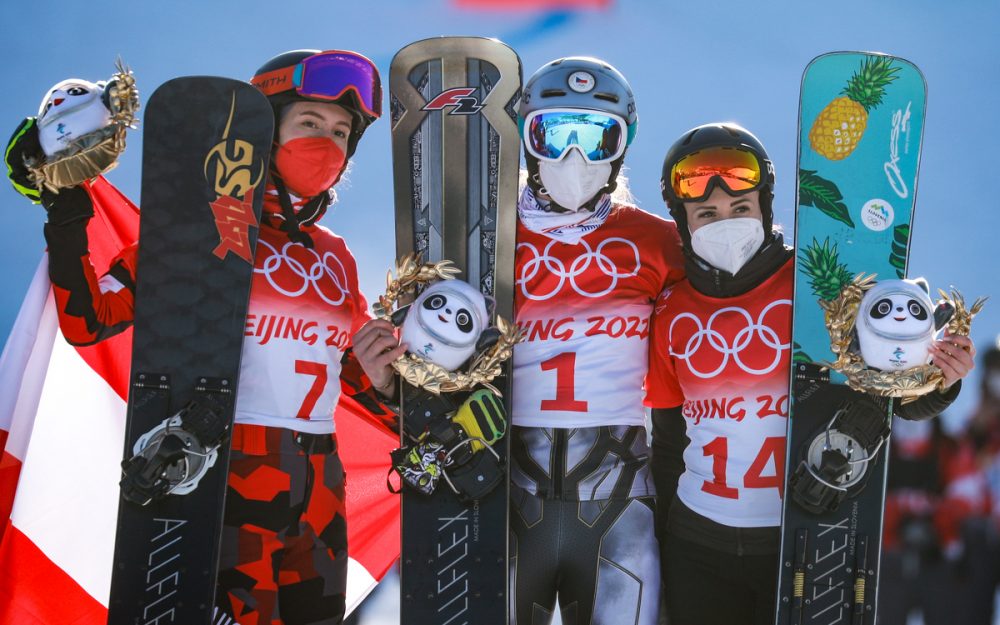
349,100
719,134
550,88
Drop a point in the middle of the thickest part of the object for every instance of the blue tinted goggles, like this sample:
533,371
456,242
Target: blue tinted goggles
600,137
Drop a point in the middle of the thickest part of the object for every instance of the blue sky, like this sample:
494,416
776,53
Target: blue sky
689,63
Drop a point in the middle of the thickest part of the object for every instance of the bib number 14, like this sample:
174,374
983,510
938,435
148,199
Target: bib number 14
773,448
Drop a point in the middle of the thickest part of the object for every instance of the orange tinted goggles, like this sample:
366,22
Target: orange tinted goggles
737,170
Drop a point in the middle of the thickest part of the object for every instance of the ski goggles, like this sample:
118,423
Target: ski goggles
328,76
739,171
600,137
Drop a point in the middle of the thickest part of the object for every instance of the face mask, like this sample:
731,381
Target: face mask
572,181
309,165
728,243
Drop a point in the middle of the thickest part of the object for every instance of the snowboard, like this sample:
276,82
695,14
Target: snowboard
206,145
456,153
860,123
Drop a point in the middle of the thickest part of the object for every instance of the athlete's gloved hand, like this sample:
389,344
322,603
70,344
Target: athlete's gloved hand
69,205
483,417
23,144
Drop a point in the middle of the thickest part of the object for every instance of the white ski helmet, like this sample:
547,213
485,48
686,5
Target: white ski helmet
578,83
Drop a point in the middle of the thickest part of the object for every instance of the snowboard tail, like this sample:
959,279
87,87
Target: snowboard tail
857,173
455,164
206,147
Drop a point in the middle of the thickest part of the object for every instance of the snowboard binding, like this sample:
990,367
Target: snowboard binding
171,458
454,444
836,459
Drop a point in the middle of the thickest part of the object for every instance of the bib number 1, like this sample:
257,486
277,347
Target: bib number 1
565,367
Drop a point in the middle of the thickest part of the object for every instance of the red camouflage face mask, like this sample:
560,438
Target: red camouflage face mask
309,165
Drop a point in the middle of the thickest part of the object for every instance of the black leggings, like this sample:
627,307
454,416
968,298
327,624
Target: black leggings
598,557
704,586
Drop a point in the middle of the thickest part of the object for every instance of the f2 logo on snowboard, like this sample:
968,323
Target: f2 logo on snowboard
234,171
460,97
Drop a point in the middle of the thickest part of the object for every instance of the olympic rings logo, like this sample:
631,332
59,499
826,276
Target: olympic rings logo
328,280
590,257
716,341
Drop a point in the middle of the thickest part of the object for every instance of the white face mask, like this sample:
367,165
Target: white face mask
728,243
573,181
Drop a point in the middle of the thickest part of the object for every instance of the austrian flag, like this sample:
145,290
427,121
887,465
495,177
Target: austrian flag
62,428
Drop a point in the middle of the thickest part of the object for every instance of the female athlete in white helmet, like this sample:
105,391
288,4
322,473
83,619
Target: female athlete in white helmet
588,268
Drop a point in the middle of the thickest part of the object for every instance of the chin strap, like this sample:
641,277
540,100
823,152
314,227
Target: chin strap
310,212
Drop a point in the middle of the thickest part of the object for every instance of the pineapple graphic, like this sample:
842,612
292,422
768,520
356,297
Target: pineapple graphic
839,127
827,275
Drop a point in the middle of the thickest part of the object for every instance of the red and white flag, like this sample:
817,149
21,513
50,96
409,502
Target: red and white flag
62,426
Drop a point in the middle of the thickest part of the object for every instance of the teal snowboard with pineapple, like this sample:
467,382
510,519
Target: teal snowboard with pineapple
860,122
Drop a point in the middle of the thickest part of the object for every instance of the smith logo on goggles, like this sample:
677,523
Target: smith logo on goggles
328,76
738,171
600,137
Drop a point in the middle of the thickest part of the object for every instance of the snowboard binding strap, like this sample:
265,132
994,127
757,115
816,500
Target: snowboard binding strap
836,459
171,458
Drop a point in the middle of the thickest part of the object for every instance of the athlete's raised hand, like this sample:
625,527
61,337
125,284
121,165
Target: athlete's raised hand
376,346
955,355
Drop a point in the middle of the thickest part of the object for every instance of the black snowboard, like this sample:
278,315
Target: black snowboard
456,152
206,143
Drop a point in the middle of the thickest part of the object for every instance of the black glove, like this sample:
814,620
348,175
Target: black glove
23,144
69,205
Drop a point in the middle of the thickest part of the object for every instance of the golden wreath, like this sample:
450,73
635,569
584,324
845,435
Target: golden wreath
411,273
841,314
97,152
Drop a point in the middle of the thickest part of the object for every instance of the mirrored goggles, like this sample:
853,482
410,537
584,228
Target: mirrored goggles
600,137
329,76
738,170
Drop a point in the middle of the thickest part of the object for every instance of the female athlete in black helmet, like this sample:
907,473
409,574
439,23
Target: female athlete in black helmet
718,382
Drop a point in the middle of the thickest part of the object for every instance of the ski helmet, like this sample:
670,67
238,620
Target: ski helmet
339,76
720,134
578,82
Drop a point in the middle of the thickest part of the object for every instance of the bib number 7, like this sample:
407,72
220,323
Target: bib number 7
319,372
